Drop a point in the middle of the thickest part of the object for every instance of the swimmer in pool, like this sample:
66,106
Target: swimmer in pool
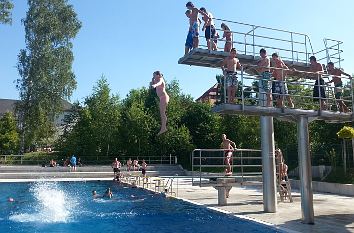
108,193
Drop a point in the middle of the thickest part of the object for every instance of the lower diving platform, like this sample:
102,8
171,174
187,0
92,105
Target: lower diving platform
283,113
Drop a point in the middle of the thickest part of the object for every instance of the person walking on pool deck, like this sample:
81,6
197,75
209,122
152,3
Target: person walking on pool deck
228,146
159,84
229,67
279,87
338,85
116,165
73,163
265,83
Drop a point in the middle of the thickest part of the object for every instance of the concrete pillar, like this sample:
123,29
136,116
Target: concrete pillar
305,171
268,165
222,200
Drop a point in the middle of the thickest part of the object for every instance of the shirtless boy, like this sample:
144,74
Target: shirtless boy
265,84
338,85
229,67
116,167
143,168
279,86
318,89
209,28
194,22
228,146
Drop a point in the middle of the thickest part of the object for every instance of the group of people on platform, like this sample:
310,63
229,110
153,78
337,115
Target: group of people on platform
132,165
211,34
277,88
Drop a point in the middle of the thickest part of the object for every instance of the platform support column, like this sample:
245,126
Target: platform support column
305,171
268,165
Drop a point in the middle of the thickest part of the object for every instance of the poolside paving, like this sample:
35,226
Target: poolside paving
333,213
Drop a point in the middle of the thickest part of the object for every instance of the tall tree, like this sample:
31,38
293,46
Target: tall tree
45,65
5,11
9,137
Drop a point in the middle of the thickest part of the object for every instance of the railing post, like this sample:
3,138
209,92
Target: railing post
245,44
170,160
319,91
306,53
254,49
241,166
225,87
242,91
192,161
338,55
292,47
200,168
352,96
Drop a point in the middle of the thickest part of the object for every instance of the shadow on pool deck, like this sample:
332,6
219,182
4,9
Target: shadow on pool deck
337,223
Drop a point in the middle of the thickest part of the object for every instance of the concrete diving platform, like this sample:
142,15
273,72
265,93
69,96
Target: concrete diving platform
214,59
288,114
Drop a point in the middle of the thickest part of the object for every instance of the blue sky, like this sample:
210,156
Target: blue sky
127,40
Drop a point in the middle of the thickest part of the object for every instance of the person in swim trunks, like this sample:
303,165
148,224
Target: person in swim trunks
265,84
280,88
228,37
229,67
116,165
143,168
338,85
209,28
318,90
194,23
228,146
189,39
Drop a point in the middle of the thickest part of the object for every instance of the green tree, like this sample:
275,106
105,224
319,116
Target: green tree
6,7
92,130
9,137
45,66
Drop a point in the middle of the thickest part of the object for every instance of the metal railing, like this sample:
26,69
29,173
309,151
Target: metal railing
209,163
331,52
248,39
85,160
300,86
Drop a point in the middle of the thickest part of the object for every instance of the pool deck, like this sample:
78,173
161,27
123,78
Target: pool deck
333,213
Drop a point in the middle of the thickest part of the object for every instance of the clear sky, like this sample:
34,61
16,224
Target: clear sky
127,40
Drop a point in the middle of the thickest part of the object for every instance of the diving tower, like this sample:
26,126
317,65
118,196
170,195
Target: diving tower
295,49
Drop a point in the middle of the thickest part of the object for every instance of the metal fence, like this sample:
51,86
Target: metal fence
209,163
300,86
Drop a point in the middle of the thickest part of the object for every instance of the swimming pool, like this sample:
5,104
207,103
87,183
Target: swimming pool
70,207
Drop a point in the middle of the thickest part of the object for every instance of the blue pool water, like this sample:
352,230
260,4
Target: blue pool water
69,207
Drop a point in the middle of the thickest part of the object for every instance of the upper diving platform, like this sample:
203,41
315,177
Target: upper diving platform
214,59
294,48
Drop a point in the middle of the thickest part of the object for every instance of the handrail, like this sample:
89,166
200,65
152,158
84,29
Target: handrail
198,155
305,79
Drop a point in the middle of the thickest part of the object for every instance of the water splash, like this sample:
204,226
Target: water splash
52,205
